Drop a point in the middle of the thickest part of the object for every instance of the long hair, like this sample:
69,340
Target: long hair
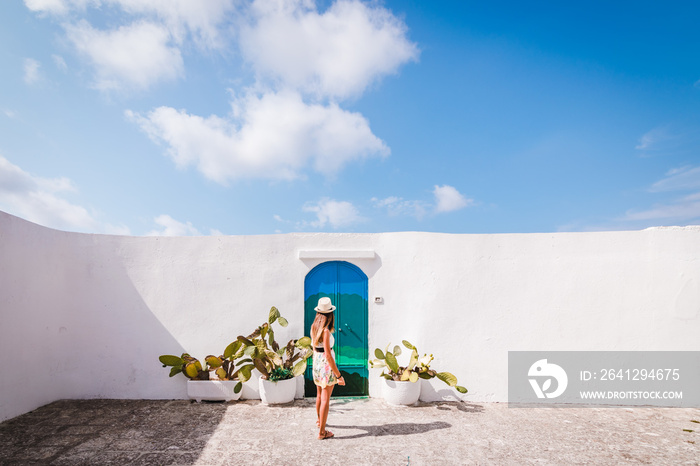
321,322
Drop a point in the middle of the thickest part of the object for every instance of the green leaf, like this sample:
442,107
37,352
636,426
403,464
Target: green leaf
448,378
259,365
379,353
408,345
461,389
213,361
283,322
304,342
245,340
405,376
245,372
175,370
425,375
232,349
238,387
271,337
170,360
274,315
391,362
299,368
397,351
414,359
387,376
191,370
261,345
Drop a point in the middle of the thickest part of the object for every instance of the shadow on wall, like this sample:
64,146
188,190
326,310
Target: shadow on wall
119,338
67,300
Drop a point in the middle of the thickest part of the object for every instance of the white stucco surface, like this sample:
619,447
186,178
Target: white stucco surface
86,316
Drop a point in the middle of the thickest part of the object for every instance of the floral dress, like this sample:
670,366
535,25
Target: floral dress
323,374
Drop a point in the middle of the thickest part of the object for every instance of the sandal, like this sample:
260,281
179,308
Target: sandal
325,435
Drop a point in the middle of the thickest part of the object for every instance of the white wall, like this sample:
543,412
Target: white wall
86,316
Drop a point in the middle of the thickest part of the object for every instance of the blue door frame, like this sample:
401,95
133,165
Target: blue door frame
346,285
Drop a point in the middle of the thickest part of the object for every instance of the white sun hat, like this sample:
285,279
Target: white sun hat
324,306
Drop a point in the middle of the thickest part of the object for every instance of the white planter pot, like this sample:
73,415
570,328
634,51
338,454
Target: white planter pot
251,388
272,393
436,390
212,390
401,393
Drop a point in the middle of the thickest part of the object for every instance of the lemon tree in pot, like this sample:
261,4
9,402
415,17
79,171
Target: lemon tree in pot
278,366
400,382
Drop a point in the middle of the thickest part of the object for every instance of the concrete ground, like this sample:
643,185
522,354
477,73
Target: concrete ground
367,431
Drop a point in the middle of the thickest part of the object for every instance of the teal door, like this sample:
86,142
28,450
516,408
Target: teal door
346,285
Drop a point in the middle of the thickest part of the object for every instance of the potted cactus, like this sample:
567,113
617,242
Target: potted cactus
219,379
278,366
400,387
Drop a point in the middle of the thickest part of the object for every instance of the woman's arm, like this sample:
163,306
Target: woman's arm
329,358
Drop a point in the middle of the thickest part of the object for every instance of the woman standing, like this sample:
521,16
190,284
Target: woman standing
326,373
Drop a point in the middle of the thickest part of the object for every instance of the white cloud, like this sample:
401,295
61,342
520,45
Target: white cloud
685,210
396,206
39,200
59,62
335,54
337,214
31,70
134,56
666,139
273,136
171,227
146,49
276,131
48,6
682,210
684,178
201,19
448,199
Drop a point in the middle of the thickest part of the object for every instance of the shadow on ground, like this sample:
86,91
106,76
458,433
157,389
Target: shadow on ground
406,428
76,432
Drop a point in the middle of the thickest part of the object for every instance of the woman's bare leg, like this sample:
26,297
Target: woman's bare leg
323,410
318,405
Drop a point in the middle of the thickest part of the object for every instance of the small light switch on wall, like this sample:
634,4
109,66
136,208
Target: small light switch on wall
378,300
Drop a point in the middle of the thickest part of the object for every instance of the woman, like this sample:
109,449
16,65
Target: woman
326,373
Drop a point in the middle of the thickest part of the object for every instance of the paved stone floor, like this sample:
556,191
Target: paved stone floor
142,432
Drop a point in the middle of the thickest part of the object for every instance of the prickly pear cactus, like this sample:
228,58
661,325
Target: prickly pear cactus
417,368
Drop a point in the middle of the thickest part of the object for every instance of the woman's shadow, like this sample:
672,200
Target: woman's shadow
406,428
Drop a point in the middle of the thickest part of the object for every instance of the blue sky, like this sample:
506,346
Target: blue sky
179,117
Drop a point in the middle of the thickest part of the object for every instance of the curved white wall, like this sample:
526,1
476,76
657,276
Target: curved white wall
86,316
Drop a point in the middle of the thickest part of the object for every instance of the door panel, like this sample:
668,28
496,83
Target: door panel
346,285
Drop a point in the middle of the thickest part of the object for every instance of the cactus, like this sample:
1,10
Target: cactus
417,368
185,364
391,362
266,354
